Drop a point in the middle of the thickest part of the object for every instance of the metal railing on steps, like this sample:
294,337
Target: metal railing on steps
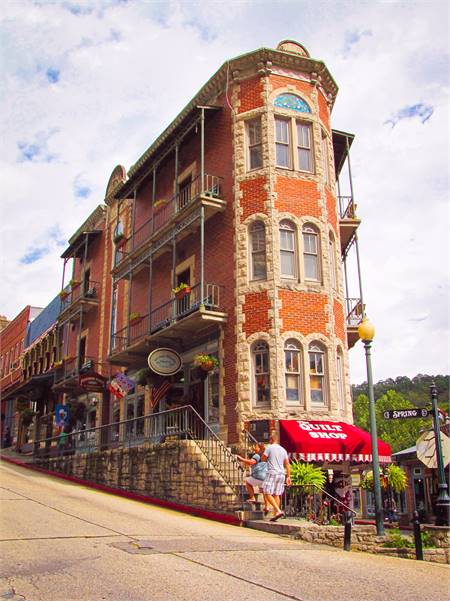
156,428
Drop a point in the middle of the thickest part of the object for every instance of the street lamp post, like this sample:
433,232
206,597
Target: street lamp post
366,332
443,500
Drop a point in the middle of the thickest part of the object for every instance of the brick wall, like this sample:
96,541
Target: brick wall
303,312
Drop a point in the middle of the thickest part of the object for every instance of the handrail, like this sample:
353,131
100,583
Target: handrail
327,494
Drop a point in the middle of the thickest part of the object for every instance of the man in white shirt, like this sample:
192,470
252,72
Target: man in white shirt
278,471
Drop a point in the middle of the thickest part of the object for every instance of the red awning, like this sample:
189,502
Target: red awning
329,441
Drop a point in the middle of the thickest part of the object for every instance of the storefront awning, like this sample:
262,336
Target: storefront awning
329,441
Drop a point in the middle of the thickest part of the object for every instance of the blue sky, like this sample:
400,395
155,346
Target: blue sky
88,85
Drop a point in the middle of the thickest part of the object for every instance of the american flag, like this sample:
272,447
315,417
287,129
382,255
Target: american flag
159,392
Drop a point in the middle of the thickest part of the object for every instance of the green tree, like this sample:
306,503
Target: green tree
399,434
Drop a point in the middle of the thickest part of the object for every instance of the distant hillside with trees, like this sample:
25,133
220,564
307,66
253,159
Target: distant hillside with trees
401,393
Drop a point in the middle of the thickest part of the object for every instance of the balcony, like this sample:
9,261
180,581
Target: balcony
354,314
67,375
348,222
84,295
174,211
176,319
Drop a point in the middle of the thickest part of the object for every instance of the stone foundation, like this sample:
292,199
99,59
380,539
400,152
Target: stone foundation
174,471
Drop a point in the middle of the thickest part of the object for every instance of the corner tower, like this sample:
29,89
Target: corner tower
292,339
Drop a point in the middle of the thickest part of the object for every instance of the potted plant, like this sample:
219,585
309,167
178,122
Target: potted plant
206,362
181,290
135,317
159,203
73,283
118,238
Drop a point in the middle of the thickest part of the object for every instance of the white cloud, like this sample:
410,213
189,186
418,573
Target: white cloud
87,85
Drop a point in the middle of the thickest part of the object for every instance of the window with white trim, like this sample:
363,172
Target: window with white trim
254,144
332,260
311,252
288,249
293,372
317,371
340,379
258,270
290,135
261,373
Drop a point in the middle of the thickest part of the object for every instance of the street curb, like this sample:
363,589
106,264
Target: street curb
195,511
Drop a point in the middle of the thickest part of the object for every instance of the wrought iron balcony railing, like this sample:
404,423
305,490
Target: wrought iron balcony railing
165,315
72,367
84,291
354,311
347,208
165,211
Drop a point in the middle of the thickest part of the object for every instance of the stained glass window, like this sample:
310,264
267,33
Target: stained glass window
293,102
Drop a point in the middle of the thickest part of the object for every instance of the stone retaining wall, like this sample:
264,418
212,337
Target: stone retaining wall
364,538
173,471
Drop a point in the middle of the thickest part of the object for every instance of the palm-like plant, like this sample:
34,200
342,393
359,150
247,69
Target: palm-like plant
305,474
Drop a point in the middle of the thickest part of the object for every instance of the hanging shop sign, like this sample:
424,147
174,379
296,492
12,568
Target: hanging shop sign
92,382
121,385
426,449
164,361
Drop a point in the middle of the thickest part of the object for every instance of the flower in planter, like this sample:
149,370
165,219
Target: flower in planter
159,203
181,289
74,283
135,315
63,294
206,362
57,364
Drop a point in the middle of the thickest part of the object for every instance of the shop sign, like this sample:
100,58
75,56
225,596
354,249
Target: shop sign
164,361
61,415
324,430
92,382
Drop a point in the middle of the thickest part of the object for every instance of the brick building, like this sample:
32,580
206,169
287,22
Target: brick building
238,200
12,344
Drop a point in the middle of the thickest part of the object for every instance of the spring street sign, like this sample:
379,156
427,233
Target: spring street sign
406,413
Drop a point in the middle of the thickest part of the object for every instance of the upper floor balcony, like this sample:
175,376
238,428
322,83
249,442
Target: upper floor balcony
69,370
206,193
176,319
354,310
84,294
348,221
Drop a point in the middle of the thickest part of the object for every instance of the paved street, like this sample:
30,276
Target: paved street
62,542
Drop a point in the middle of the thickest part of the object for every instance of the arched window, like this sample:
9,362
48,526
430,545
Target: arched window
258,269
311,252
332,260
317,374
340,379
292,102
293,372
261,373
288,249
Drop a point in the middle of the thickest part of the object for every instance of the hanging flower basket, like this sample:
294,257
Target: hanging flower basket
206,362
135,317
119,239
181,290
